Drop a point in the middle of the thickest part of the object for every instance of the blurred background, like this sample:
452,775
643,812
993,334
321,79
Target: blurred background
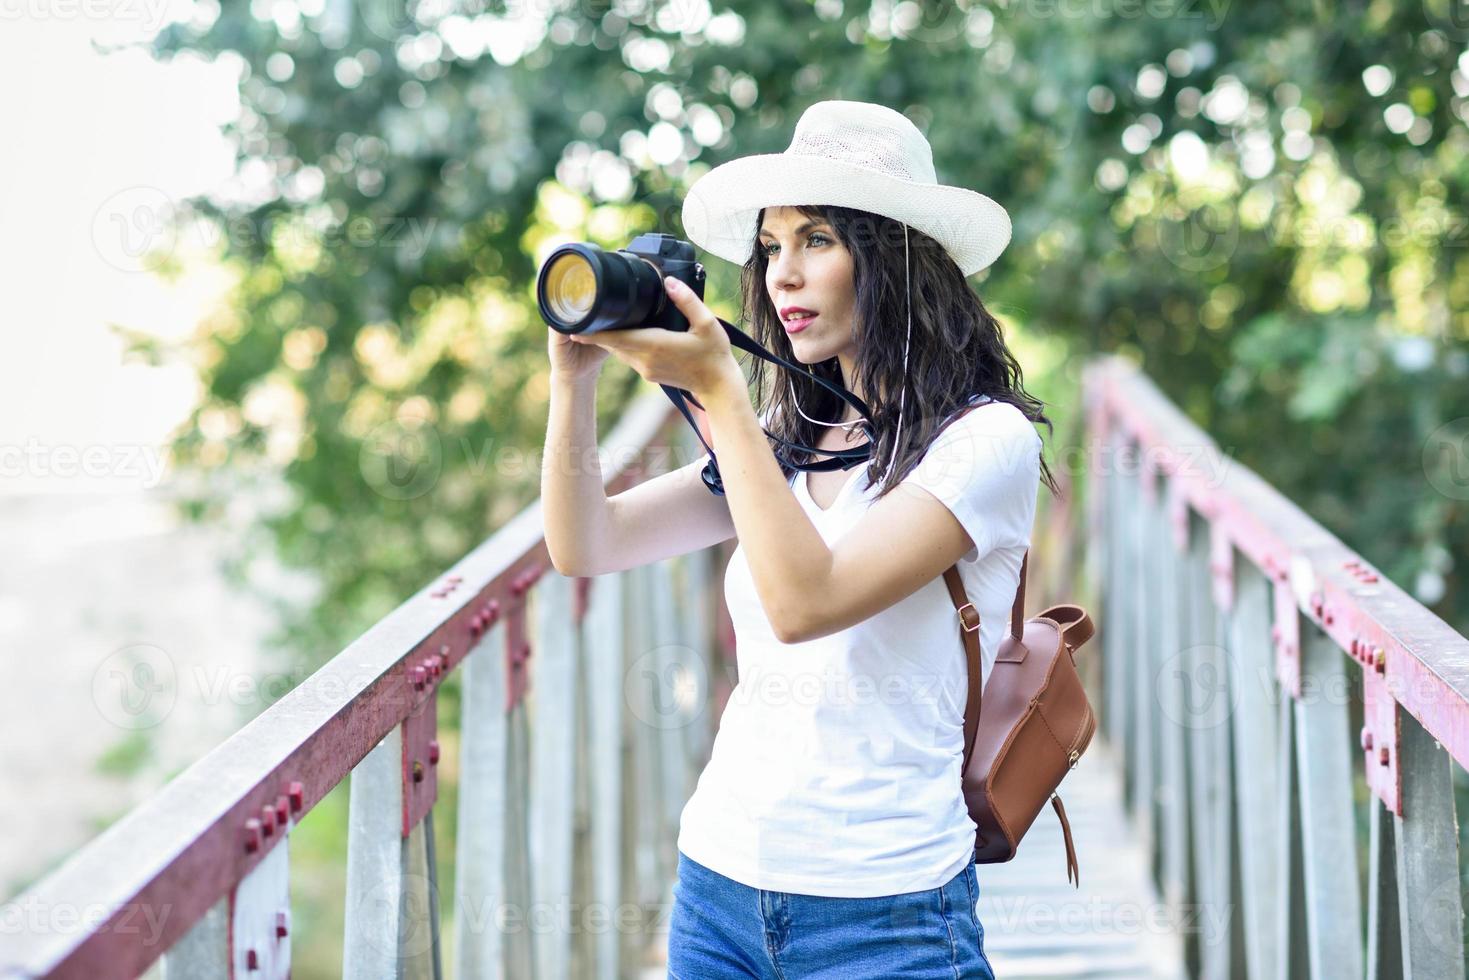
272,360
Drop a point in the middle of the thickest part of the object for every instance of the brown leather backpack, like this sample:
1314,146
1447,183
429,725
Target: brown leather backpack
1036,724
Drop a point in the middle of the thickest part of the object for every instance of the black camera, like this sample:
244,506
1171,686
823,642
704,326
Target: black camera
582,288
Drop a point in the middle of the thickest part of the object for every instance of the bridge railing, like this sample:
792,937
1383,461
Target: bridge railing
578,744
1256,672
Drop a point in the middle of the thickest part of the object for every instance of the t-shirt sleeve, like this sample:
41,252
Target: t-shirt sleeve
985,467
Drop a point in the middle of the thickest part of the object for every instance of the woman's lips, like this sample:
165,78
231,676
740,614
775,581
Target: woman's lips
799,324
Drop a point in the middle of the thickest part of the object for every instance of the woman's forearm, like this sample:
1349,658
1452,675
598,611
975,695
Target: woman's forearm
573,500
789,560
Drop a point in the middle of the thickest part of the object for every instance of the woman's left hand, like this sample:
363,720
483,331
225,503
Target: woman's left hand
694,360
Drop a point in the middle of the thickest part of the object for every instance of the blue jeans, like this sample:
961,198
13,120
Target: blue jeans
721,928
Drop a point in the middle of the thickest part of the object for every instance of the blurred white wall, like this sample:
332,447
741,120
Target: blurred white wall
115,623
87,139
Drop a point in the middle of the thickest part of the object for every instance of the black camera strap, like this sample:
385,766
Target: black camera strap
839,459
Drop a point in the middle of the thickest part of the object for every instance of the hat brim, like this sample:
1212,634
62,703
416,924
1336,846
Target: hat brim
720,209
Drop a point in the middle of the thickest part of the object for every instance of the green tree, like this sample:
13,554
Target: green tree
1261,204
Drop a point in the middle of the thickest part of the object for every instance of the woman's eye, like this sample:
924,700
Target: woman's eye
812,236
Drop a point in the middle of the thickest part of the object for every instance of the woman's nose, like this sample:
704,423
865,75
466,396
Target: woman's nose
785,271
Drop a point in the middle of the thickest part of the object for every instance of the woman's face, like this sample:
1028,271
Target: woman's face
808,267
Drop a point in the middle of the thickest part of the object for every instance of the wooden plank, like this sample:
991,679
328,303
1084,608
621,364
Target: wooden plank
603,633
1228,828
1137,656
1148,654
644,877
692,678
1254,726
700,630
1430,905
373,946
479,856
668,658
1209,702
419,924
1333,933
260,916
552,787
1169,590
520,960
1384,929
1114,595
588,920
1292,961
204,952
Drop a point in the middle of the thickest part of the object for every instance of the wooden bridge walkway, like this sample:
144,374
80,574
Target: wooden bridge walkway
1038,926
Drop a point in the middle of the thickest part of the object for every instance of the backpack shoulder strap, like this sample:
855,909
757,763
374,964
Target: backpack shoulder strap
969,633
969,626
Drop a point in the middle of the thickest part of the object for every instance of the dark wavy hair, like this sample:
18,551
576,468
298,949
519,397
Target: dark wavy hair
957,349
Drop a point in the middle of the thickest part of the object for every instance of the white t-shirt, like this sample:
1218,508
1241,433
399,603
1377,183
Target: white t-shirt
836,767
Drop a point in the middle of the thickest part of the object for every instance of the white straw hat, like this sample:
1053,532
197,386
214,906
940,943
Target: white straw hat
850,154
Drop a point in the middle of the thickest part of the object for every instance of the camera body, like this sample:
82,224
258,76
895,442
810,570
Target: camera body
583,288
671,257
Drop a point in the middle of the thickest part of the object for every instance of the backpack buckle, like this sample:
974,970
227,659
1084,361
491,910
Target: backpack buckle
964,620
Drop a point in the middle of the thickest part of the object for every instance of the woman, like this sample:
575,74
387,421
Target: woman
828,835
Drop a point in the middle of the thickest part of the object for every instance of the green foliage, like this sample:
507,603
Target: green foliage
1263,204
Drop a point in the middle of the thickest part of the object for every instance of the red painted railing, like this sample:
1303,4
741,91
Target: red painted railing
198,874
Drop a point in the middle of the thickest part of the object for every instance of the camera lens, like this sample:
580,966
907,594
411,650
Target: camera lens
583,289
571,287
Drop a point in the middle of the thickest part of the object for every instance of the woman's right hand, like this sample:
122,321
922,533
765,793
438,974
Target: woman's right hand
570,360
